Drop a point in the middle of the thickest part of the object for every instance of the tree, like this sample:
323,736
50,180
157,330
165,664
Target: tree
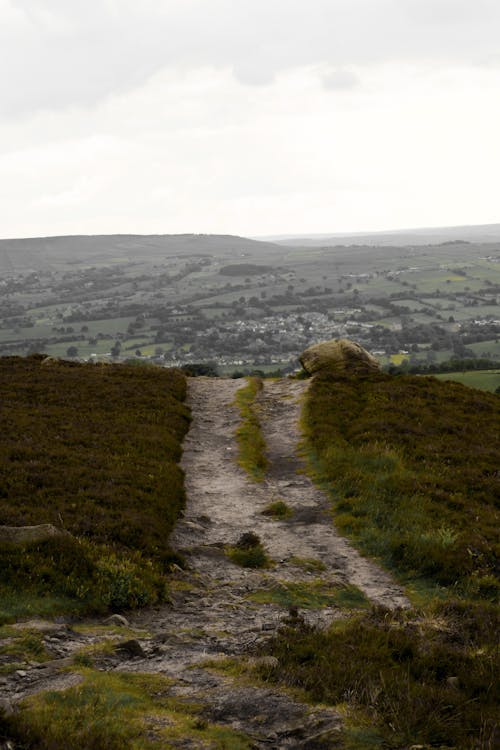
72,351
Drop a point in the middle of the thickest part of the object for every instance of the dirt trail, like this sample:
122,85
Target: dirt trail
212,615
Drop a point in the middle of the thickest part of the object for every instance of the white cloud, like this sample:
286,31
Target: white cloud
249,117
58,53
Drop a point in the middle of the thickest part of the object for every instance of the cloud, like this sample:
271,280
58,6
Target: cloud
60,53
340,80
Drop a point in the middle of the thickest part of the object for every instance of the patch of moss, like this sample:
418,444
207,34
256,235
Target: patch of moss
314,594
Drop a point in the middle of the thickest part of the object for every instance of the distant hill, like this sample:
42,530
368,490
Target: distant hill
431,236
37,253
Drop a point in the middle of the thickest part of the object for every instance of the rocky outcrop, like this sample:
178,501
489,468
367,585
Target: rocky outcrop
30,534
338,355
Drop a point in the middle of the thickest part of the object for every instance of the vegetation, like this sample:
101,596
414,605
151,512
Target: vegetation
251,443
412,468
112,711
278,509
311,594
94,450
249,552
413,679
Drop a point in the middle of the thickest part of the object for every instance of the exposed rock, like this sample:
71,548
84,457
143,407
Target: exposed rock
30,534
117,620
131,648
6,707
338,355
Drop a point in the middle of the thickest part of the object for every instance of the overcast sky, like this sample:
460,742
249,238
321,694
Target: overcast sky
253,117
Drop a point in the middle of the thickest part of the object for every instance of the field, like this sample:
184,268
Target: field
92,450
172,299
486,380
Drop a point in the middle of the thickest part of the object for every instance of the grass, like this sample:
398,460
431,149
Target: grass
249,552
251,444
411,466
278,510
115,711
426,681
93,449
487,380
312,594
310,564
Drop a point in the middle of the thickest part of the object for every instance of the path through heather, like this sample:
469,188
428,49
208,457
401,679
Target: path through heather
212,614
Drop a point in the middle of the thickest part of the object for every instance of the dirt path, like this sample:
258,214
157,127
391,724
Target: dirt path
213,615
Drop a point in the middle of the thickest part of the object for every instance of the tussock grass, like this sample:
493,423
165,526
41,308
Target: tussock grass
278,510
251,443
95,450
249,552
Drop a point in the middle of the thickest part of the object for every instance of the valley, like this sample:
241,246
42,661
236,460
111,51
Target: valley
244,305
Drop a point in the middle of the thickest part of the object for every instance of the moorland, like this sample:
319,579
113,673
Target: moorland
408,468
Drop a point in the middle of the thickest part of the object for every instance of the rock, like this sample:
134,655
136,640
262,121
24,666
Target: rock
20,673
131,648
30,534
6,708
117,620
338,355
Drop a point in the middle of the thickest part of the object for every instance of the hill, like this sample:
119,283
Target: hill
398,237
56,253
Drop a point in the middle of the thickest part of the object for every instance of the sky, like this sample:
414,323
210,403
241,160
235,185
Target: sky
250,117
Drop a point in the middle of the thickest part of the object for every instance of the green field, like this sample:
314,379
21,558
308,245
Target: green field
486,380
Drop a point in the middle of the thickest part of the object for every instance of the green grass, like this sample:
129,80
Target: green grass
93,449
411,465
251,444
114,711
278,510
249,552
312,594
486,380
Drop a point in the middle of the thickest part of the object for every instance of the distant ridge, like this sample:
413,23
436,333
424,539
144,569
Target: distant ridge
394,237
37,253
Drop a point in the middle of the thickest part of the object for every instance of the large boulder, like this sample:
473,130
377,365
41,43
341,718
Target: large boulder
338,355
30,534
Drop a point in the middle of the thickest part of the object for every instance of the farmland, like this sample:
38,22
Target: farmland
244,304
